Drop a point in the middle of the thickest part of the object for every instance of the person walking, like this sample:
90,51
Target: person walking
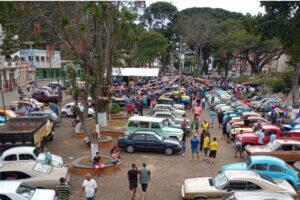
89,186
214,145
62,191
183,140
197,110
238,145
132,175
194,146
144,175
205,146
212,117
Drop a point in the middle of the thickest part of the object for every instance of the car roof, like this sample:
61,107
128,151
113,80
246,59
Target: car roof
23,149
145,119
242,174
268,159
9,186
288,141
262,196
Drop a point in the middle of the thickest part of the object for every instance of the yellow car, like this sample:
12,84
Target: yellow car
232,181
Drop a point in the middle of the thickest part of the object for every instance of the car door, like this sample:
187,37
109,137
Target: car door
155,126
236,185
275,171
153,143
138,141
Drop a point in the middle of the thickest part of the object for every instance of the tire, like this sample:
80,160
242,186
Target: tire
169,151
199,198
130,149
64,115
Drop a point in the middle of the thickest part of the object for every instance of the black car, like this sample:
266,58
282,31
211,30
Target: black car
144,140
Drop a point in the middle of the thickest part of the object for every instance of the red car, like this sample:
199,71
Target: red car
252,120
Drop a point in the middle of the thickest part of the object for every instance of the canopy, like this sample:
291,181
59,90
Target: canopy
142,72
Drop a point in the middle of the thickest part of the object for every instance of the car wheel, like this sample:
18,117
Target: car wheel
130,149
168,151
199,198
64,115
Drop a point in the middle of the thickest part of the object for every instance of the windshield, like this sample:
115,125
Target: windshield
220,180
25,191
37,152
274,145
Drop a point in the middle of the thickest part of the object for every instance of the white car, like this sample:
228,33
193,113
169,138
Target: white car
170,108
15,190
66,111
177,120
20,154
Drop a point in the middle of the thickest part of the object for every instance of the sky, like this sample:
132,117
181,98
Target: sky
242,6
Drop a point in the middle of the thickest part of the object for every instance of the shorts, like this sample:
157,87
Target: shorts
195,150
239,147
212,154
133,185
144,186
205,150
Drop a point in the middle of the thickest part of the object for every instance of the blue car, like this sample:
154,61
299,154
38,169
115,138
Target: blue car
240,110
145,140
268,166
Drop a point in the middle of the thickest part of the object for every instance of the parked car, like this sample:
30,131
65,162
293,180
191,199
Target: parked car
176,119
153,124
259,196
66,110
34,101
45,97
168,101
33,173
170,108
266,165
24,153
52,116
15,190
231,181
145,140
252,120
286,149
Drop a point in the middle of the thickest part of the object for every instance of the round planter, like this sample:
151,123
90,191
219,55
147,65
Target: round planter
84,165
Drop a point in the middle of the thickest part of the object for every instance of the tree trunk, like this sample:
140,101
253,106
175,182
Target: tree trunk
295,86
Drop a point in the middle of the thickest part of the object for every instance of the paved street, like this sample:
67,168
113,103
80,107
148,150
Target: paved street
168,173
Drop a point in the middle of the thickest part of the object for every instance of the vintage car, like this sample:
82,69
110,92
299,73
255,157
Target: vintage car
145,140
24,153
235,131
15,190
168,101
170,108
266,165
33,173
66,110
231,181
45,97
249,114
177,120
153,124
259,196
252,120
240,110
286,149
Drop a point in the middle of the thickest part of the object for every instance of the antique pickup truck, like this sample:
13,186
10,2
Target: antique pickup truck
26,131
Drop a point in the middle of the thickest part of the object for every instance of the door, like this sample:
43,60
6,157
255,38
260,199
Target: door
153,143
155,126
139,141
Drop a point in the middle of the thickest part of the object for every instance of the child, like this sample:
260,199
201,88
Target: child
213,150
212,116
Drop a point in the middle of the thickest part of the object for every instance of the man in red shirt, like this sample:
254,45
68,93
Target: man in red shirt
197,110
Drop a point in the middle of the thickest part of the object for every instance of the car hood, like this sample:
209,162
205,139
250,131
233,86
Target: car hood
196,185
57,161
171,141
43,194
170,129
235,166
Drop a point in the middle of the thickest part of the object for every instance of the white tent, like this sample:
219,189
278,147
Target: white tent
138,72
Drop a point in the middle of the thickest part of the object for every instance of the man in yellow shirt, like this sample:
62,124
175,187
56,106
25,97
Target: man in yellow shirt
205,146
205,125
214,145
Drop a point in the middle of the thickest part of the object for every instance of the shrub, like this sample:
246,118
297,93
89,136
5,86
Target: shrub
277,85
114,108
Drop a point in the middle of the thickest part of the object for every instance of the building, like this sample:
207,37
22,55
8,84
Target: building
42,65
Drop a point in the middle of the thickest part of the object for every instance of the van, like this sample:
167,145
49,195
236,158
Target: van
155,124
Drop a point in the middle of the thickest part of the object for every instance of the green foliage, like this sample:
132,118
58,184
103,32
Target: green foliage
114,108
277,85
151,45
282,82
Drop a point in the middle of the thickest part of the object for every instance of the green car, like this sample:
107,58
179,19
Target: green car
153,124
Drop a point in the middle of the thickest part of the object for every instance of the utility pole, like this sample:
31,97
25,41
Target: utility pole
180,59
2,96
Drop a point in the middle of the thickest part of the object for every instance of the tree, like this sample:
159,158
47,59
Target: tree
282,21
151,45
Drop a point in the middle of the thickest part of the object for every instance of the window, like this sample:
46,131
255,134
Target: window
22,59
296,147
13,175
287,147
275,168
155,125
4,197
237,185
252,186
26,157
139,137
12,157
133,124
152,138
261,167
144,124
30,58
37,59
68,106
42,59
